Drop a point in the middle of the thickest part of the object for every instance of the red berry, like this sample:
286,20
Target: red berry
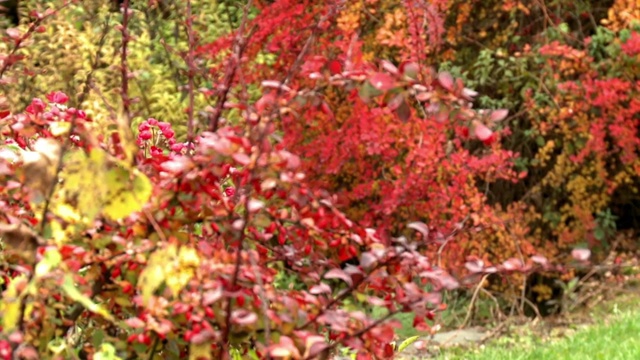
145,135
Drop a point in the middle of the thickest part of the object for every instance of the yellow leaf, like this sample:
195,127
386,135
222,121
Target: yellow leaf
81,190
127,140
177,280
188,257
154,275
10,306
150,280
125,195
59,128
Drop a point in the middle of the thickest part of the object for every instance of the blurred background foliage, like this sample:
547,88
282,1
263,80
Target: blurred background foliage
566,70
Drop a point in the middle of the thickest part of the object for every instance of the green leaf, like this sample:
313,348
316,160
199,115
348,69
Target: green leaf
107,352
407,342
74,294
52,258
97,338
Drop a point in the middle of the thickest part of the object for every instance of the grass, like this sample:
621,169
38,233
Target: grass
613,336
617,340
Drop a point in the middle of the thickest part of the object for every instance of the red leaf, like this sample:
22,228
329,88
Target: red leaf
335,67
382,81
581,254
338,274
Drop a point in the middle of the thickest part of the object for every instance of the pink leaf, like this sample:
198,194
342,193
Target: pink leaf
512,264
446,80
339,274
481,131
539,259
475,266
276,85
14,33
410,70
581,254
469,94
499,115
136,323
321,288
367,260
382,81
243,317
421,227
392,69
255,205
395,102
242,159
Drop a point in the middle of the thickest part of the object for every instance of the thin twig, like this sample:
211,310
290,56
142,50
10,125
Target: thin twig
190,73
473,301
124,71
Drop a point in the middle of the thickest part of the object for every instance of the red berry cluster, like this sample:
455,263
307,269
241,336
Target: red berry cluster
153,132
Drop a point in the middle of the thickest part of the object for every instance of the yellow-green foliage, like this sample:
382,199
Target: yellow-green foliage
62,57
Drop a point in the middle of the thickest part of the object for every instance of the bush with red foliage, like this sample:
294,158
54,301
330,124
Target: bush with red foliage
181,259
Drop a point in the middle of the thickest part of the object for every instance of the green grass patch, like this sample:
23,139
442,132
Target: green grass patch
613,336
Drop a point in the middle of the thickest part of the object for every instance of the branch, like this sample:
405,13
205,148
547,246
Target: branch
190,72
124,90
239,46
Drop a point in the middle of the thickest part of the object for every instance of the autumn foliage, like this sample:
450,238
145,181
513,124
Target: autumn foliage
306,163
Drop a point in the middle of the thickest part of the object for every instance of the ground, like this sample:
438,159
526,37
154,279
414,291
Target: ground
607,330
